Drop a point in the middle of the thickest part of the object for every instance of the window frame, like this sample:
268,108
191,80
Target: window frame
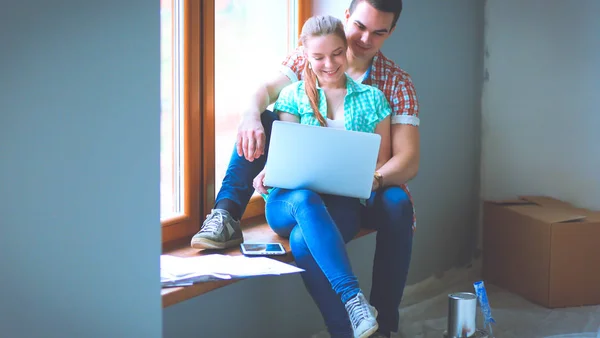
199,121
178,228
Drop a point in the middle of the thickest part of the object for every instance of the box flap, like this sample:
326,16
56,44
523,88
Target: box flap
590,215
548,215
547,201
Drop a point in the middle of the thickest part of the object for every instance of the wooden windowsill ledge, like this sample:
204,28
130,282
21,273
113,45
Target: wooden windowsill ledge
255,230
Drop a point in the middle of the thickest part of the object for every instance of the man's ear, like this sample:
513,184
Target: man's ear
347,14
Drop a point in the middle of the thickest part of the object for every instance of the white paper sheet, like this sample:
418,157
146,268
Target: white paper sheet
176,269
216,266
243,266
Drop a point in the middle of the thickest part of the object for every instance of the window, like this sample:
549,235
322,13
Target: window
241,58
171,143
211,52
180,147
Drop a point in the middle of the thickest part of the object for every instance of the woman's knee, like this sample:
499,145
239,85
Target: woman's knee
284,206
278,213
298,244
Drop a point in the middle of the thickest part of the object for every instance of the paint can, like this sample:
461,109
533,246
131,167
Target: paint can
462,314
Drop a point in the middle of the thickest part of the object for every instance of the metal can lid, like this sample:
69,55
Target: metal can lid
463,295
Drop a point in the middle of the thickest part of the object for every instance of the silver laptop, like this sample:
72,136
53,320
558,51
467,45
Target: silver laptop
325,160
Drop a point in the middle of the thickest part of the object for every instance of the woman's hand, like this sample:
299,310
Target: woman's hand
258,183
377,181
375,185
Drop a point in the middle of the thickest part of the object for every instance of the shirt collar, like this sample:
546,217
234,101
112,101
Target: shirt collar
372,68
351,86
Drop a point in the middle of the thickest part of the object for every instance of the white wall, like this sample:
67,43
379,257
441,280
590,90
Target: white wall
79,172
541,119
440,44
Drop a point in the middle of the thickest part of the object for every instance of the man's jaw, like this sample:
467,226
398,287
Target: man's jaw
360,52
362,48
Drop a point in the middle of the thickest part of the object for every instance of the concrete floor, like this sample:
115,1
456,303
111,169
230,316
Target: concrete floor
424,310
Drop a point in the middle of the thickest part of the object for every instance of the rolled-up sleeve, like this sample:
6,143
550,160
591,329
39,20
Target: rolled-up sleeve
293,65
405,104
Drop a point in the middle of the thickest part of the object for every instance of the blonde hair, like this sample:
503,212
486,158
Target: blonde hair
318,25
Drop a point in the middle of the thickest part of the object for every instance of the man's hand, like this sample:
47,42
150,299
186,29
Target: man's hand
259,184
251,134
250,139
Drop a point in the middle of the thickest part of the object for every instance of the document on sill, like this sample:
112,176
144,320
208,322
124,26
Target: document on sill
177,270
217,266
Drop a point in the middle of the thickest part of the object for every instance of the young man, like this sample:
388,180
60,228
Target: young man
368,23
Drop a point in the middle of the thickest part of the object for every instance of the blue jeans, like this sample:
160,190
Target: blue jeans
303,217
388,211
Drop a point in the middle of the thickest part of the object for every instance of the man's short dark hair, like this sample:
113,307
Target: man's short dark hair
389,6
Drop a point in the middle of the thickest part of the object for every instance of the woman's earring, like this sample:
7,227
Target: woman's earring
309,66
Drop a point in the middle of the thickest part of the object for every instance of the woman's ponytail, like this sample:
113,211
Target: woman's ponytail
310,86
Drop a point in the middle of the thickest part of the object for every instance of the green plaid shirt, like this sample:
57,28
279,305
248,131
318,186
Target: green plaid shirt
364,106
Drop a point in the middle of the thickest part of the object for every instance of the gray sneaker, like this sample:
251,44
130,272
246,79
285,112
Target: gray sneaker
362,316
219,231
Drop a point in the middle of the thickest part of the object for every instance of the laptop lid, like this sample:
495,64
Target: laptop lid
325,160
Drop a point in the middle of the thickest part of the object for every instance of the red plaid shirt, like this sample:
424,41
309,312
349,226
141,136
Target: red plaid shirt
384,74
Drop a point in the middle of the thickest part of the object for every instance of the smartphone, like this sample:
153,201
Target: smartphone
262,249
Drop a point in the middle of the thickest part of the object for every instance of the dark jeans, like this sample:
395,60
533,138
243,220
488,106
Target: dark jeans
388,211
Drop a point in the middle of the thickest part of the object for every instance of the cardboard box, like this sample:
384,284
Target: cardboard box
544,249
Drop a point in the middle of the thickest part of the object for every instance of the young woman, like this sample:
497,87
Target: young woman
328,97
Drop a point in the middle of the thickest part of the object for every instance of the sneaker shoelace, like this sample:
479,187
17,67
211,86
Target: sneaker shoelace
214,223
358,311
